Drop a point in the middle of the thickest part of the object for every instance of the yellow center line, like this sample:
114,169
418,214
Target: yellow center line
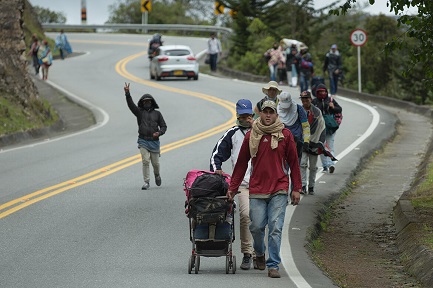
29,199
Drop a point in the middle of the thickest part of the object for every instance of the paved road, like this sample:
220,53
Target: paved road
80,220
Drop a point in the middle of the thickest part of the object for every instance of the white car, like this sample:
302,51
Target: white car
173,61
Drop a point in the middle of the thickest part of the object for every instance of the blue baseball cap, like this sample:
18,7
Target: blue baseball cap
244,106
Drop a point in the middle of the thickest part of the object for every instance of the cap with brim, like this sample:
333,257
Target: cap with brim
269,104
305,94
334,46
271,84
244,106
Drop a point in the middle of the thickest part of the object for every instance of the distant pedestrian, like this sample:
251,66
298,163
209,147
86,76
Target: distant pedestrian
292,65
333,65
151,126
33,52
228,147
275,55
310,153
269,145
63,45
45,58
329,107
306,69
213,50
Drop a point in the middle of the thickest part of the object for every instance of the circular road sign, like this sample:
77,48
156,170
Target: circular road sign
358,37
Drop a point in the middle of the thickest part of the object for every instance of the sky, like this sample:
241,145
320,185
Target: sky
98,13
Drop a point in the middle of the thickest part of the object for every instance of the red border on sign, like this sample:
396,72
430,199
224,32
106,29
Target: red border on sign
366,37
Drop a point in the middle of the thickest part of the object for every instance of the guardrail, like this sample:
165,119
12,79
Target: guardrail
159,27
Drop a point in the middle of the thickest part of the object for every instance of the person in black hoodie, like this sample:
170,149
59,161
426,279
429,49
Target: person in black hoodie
151,126
328,106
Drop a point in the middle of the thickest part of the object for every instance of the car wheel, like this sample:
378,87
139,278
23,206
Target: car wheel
158,78
196,77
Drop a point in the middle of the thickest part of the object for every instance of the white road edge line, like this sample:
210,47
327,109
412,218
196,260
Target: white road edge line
286,251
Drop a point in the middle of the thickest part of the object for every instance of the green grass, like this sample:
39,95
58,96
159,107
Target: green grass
15,117
422,201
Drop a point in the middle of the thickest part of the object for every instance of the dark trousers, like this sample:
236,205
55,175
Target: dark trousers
213,61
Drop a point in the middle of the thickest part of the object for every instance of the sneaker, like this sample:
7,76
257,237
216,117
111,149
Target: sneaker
145,186
325,170
261,262
311,190
331,169
273,273
304,190
158,180
246,262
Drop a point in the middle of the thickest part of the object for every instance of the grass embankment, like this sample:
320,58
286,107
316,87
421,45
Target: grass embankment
422,201
17,115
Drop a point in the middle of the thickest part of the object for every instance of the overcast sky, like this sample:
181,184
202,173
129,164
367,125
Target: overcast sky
97,10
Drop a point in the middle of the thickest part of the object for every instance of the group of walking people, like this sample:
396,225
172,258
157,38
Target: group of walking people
42,56
271,148
296,66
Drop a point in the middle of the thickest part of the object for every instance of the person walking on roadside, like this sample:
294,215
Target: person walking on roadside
317,135
213,50
333,65
292,65
45,58
151,126
271,90
228,147
63,45
328,106
268,145
295,119
275,55
306,69
33,52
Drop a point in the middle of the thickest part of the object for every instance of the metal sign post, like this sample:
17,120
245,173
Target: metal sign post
358,38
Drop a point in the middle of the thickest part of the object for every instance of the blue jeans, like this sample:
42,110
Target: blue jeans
326,161
273,71
304,82
269,212
333,81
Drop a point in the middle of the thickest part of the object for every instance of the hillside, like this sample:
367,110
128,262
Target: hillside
21,108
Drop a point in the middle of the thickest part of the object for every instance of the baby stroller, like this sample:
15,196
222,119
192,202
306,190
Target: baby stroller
211,218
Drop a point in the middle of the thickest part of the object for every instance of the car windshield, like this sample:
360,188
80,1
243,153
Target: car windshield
177,52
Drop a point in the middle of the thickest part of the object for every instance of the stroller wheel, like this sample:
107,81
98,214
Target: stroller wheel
190,264
233,264
197,264
227,264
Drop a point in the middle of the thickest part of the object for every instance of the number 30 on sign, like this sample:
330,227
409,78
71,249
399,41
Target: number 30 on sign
358,37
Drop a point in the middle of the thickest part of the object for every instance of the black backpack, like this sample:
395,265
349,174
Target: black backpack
209,185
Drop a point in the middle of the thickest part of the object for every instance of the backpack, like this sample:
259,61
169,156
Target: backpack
209,185
306,64
337,116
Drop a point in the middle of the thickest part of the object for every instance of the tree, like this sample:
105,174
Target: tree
48,16
416,27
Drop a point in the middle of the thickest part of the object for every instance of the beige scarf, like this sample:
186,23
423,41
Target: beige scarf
258,130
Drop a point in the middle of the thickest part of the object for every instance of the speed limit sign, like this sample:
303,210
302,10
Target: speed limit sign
358,37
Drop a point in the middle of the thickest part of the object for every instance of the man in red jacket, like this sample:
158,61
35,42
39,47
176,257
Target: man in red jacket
271,148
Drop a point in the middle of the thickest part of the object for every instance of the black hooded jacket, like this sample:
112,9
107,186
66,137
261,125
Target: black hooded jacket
323,104
149,120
